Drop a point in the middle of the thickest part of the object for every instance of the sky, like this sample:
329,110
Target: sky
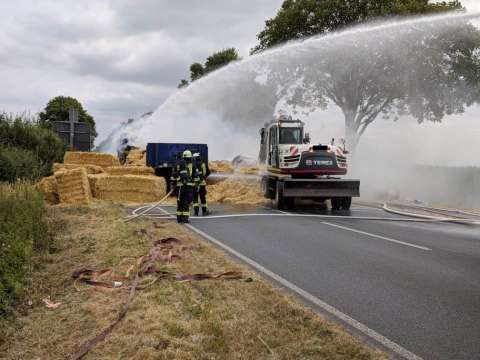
120,58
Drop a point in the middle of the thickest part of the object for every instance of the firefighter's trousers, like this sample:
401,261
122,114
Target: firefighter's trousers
184,199
200,199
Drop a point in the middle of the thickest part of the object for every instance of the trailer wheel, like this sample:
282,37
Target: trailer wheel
336,203
346,203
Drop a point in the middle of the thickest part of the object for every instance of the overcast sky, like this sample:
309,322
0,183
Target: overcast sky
120,58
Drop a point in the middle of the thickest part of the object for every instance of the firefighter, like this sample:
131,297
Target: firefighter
187,176
200,193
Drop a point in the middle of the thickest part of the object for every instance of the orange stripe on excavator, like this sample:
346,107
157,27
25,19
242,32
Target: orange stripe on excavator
308,171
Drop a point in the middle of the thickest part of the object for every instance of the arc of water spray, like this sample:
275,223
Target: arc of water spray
276,52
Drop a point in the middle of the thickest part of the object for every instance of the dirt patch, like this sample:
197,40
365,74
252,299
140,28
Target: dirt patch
209,319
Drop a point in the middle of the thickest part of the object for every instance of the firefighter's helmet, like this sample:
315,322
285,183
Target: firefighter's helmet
187,154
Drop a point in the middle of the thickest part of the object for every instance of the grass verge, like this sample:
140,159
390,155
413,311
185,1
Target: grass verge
210,319
23,232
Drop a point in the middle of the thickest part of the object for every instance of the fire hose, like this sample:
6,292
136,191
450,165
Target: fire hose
149,208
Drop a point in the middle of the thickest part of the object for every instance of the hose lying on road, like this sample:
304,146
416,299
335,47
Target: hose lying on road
439,212
336,217
144,212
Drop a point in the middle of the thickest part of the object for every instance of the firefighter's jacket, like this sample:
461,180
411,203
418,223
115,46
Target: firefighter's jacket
186,174
203,173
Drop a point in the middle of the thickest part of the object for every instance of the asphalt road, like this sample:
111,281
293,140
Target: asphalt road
415,284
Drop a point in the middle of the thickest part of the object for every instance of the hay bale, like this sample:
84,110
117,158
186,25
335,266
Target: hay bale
91,169
90,158
137,157
48,186
130,170
130,188
73,186
92,180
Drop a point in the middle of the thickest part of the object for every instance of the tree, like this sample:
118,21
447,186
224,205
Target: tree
182,84
221,58
196,71
57,110
298,19
213,62
426,71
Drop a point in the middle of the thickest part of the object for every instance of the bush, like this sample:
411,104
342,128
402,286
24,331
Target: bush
17,163
23,143
23,230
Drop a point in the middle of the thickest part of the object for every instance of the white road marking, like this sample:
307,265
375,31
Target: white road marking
282,213
389,344
377,236
368,234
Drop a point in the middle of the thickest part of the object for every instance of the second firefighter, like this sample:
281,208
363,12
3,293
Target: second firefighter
200,191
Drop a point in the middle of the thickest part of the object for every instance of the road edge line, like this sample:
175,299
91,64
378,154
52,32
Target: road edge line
387,343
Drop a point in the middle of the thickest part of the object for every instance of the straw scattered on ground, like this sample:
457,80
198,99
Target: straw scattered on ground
236,191
220,167
210,319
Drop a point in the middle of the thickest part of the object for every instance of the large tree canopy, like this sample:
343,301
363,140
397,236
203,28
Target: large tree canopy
57,110
298,19
428,69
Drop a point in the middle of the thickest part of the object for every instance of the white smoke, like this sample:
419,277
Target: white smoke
226,109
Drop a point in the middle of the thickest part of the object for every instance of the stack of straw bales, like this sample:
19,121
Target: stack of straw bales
129,188
90,158
85,176
73,186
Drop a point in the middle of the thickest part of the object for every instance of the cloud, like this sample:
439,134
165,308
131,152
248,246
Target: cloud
120,58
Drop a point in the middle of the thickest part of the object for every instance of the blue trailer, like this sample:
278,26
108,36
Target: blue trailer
162,157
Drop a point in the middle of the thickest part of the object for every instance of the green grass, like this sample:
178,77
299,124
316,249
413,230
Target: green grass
23,231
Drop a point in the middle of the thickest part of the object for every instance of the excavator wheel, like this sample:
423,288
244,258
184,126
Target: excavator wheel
265,188
346,203
281,202
336,203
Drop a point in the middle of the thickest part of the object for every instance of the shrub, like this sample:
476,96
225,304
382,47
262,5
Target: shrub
23,230
23,142
17,163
